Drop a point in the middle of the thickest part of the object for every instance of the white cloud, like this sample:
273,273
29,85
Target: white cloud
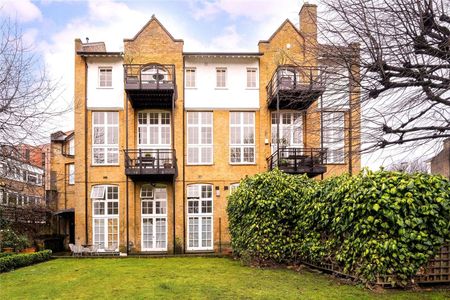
22,10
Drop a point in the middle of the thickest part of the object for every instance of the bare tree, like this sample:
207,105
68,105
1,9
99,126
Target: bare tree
413,166
404,48
27,95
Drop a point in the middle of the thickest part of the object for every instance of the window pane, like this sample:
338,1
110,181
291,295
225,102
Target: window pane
99,135
193,155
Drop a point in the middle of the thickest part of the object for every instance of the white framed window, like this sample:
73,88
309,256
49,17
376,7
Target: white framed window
221,77
200,217
334,137
199,138
190,77
154,130
290,126
105,138
154,218
98,192
105,217
337,92
242,137
71,173
71,146
233,187
251,78
105,77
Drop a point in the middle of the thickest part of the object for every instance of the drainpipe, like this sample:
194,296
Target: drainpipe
321,131
350,128
86,153
184,165
126,185
174,161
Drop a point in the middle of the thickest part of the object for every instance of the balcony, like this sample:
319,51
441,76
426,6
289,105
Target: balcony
150,164
150,85
310,161
295,87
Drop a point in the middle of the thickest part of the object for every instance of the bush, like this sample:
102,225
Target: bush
262,214
3,254
12,240
371,224
12,262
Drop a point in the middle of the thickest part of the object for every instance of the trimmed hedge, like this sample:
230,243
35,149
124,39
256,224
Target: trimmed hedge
372,224
11,262
3,254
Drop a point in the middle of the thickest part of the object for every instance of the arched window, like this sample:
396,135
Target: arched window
154,73
154,218
105,207
200,216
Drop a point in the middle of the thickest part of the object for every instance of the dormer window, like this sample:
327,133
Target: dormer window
105,77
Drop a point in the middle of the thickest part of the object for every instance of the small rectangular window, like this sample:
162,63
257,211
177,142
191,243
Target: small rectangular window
105,77
221,77
190,78
72,147
251,78
98,192
71,174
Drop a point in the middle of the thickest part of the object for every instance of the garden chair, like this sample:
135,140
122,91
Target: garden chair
94,250
76,250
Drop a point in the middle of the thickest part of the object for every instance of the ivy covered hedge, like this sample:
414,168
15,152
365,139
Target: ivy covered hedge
12,262
374,223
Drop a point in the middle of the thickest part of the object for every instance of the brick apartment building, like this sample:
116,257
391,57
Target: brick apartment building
162,136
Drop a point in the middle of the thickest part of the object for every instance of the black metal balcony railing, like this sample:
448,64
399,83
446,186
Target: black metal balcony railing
296,87
145,162
310,161
150,85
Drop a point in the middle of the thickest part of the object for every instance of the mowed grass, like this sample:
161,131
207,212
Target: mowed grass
180,278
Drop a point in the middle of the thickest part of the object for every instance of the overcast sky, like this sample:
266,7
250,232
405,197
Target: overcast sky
50,28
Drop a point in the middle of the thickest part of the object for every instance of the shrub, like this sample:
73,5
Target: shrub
3,254
371,224
11,262
262,213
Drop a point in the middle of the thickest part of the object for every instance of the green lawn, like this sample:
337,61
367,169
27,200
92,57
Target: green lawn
181,278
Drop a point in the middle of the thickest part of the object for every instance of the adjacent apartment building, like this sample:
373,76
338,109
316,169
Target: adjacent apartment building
21,182
163,136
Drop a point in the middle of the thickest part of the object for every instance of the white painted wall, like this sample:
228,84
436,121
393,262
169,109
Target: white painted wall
100,97
236,96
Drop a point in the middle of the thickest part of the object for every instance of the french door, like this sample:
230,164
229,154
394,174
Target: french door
290,127
200,217
154,218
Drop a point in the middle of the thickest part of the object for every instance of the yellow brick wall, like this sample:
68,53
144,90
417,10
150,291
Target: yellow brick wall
154,45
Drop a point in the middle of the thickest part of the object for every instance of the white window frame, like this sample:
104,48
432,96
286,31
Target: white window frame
71,173
225,78
105,216
291,128
105,83
241,126
71,146
337,144
201,117
153,200
191,78
337,92
159,126
251,71
108,149
196,197
233,187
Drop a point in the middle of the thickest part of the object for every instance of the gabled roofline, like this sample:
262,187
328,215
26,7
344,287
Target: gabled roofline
153,18
278,30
